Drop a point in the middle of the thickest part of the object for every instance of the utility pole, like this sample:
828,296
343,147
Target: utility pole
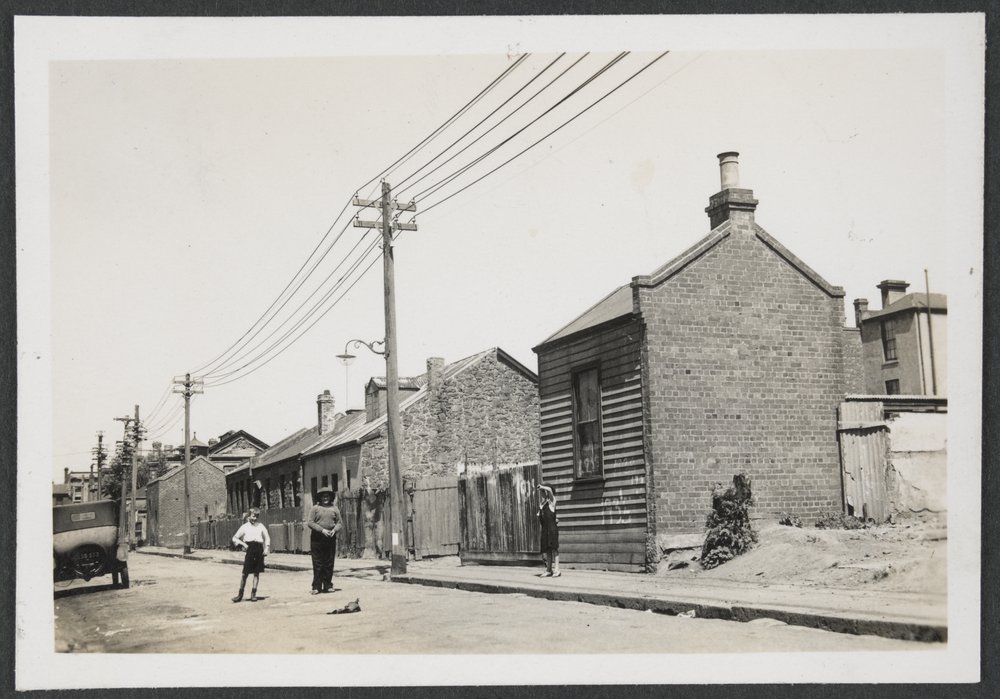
397,513
133,510
122,513
188,387
100,455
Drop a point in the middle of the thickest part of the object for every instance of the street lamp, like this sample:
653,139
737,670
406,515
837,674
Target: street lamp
347,358
397,515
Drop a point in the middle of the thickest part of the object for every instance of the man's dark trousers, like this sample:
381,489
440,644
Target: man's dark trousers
324,550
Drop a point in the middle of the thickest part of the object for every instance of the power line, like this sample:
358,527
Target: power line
450,178
373,261
399,185
550,133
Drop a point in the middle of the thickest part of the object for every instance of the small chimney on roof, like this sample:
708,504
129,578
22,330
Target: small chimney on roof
435,374
731,203
892,291
324,410
65,475
860,311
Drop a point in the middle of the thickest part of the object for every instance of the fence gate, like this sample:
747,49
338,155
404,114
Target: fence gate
864,458
435,512
499,515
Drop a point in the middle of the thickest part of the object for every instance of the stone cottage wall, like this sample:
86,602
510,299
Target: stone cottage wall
487,413
744,373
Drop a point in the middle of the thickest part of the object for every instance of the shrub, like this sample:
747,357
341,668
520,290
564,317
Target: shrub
789,520
838,520
730,532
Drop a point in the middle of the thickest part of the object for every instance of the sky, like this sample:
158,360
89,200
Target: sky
186,193
173,176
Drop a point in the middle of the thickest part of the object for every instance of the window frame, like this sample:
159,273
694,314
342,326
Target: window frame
575,373
892,393
888,331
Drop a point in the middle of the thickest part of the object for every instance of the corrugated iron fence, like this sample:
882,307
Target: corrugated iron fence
499,515
864,457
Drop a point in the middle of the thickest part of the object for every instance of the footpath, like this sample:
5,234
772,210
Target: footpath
892,614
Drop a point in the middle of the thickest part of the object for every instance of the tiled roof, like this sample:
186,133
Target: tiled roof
180,467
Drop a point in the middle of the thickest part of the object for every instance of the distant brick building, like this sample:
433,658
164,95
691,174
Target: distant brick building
729,358
165,500
904,345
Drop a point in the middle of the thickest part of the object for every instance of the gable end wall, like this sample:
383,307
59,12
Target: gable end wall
745,373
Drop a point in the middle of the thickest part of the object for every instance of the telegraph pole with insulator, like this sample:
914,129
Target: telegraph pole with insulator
187,387
389,224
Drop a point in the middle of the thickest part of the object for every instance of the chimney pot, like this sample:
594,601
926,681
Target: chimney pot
729,169
324,409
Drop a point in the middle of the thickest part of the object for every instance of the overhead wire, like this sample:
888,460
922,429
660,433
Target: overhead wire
550,133
315,308
399,185
462,170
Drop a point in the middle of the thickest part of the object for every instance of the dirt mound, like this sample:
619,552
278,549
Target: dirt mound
907,556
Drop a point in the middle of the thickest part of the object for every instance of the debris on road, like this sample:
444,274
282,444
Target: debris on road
348,608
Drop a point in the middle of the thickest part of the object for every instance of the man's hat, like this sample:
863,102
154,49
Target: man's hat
324,489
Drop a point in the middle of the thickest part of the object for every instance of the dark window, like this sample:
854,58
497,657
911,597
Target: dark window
281,491
297,501
892,387
267,493
889,340
335,479
348,479
313,487
326,481
587,423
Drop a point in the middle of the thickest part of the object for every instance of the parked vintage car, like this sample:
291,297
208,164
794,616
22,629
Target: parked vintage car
86,542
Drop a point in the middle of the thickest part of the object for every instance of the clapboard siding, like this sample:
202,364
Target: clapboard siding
589,511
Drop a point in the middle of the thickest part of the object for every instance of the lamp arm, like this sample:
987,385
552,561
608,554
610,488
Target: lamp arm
369,345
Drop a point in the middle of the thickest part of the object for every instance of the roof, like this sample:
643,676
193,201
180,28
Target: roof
406,384
180,467
60,489
915,301
360,430
234,436
619,304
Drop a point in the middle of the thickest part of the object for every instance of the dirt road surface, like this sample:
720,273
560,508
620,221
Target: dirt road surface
183,606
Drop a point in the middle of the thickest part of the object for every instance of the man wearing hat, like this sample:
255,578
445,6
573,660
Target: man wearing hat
324,521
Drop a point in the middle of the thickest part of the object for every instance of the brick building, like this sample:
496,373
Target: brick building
481,409
904,345
165,500
729,358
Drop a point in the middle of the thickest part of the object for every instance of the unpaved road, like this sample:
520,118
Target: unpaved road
183,606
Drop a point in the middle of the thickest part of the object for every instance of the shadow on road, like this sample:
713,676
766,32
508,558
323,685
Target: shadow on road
72,591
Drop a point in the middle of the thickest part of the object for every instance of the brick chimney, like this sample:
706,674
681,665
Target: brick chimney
731,203
65,475
324,410
435,374
860,311
892,291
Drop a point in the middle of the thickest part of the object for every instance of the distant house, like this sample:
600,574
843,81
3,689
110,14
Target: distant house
61,494
234,448
905,344
141,520
730,357
80,485
165,500
482,409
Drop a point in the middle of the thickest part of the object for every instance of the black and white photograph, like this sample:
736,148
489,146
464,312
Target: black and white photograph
626,349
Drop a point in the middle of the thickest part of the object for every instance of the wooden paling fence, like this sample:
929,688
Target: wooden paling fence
864,453
499,515
434,527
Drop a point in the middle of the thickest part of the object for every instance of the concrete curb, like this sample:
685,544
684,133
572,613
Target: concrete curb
840,623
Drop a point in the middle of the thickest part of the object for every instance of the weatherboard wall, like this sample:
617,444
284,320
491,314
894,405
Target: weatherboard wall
602,522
